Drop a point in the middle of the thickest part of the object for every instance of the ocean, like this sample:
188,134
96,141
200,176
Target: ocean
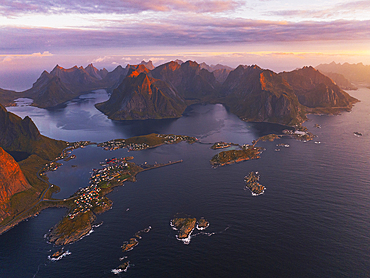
312,221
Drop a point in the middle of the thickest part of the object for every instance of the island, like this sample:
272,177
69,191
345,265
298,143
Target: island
252,183
186,225
143,142
121,268
222,145
232,156
202,224
301,134
56,256
129,245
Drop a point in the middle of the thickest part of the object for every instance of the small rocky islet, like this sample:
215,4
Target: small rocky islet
252,183
186,225
128,246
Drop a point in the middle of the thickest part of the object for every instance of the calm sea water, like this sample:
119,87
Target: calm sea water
312,221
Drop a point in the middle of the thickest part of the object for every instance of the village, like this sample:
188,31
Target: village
89,197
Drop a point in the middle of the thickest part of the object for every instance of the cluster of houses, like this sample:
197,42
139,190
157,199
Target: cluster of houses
51,166
220,145
113,145
89,197
71,146
170,138
121,143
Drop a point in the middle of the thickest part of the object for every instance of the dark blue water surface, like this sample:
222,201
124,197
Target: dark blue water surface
312,221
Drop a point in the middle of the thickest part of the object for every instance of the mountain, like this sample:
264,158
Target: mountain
7,97
212,68
190,81
60,85
21,139
221,75
78,79
255,94
341,81
317,91
141,96
94,72
49,91
12,181
220,72
355,73
22,135
115,77
180,62
149,65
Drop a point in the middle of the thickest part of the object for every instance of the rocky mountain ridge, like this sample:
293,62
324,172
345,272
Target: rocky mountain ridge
273,95
355,73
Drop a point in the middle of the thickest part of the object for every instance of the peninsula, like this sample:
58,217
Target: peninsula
87,202
143,142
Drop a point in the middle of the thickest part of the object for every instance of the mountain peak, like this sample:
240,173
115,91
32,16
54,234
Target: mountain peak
134,71
149,65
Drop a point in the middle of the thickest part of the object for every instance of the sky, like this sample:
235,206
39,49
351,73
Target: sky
278,35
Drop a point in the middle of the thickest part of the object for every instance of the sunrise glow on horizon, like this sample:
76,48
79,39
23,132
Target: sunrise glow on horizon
275,35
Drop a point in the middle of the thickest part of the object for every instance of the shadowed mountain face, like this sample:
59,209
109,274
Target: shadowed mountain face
316,90
141,96
12,181
190,81
21,135
49,91
261,95
356,73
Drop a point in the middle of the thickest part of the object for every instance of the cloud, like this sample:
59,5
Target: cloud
10,57
196,30
11,8
342,10
101,59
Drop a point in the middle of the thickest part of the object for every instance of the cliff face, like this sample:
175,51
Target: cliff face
190,81
261,95
316,90
12,181
143,97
